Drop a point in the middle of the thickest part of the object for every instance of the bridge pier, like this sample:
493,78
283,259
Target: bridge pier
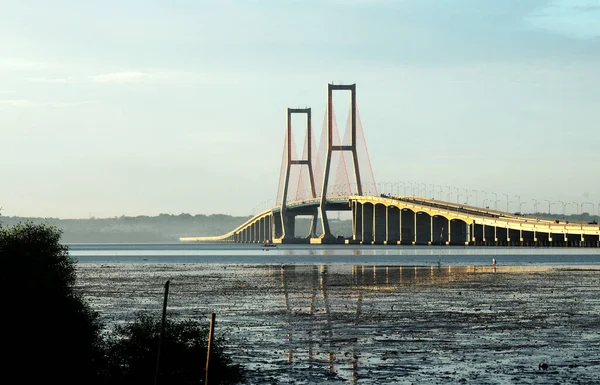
368,219
380,225
393,225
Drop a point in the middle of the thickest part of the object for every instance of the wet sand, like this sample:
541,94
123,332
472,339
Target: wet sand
377,325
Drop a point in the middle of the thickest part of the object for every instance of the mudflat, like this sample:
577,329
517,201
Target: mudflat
306,324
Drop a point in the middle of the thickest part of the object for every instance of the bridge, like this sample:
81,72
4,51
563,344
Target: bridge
380,218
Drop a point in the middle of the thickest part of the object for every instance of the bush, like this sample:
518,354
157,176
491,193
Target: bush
51,335
132,349
52,332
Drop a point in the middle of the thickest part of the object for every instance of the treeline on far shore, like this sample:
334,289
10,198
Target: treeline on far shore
155,229
169,227
125,229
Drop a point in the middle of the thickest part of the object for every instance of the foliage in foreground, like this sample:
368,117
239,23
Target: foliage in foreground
51,335
132,350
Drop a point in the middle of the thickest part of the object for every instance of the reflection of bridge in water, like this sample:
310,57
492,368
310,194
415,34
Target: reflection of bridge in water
378,219
325,327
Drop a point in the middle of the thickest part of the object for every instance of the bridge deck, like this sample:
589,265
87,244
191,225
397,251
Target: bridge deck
469,214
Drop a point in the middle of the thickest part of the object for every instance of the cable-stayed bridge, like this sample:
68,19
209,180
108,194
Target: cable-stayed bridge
338,177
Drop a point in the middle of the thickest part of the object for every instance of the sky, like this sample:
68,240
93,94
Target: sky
141,107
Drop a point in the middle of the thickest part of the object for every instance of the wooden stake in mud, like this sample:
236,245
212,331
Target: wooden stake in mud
210,339
162,332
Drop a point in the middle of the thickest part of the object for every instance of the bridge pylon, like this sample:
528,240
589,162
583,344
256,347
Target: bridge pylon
331,148
287,224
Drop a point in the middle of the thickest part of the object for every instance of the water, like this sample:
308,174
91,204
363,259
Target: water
252,254
372,315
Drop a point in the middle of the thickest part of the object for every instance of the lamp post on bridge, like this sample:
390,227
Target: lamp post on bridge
483,203
519,201
549,206
577,207
535,203
456,188
563,207
506,200
521,207
507,203
587,203
404,185
476,198
495,201
449,192
388,183
432,191
485,192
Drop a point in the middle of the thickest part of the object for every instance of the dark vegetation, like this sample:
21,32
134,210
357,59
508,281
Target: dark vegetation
51,335
583,217
158,229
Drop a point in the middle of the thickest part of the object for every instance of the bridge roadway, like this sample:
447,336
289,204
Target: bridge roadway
414,221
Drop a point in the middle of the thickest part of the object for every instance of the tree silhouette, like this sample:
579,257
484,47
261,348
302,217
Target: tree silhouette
52,334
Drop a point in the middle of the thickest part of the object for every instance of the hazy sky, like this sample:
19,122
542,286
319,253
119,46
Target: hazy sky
141,107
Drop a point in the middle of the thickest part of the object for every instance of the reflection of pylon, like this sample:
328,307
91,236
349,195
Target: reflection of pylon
301,162
331,148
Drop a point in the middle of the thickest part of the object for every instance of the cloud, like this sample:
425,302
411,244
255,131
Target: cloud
573,18
119,77
24,103
21,64
166,76
17,103
50,80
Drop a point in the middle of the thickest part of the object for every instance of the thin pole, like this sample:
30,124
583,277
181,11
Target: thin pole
210,339
162,332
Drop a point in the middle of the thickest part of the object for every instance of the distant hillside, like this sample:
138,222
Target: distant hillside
169,228
161,228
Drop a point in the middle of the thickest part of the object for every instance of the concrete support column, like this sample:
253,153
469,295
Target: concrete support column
387,224
367,223
483,234
400,225
313,225
393,225
521,236
291,227
430,230
379,223
357,216
415,228
469,239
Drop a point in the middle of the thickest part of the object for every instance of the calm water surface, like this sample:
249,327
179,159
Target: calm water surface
253,254
368,315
